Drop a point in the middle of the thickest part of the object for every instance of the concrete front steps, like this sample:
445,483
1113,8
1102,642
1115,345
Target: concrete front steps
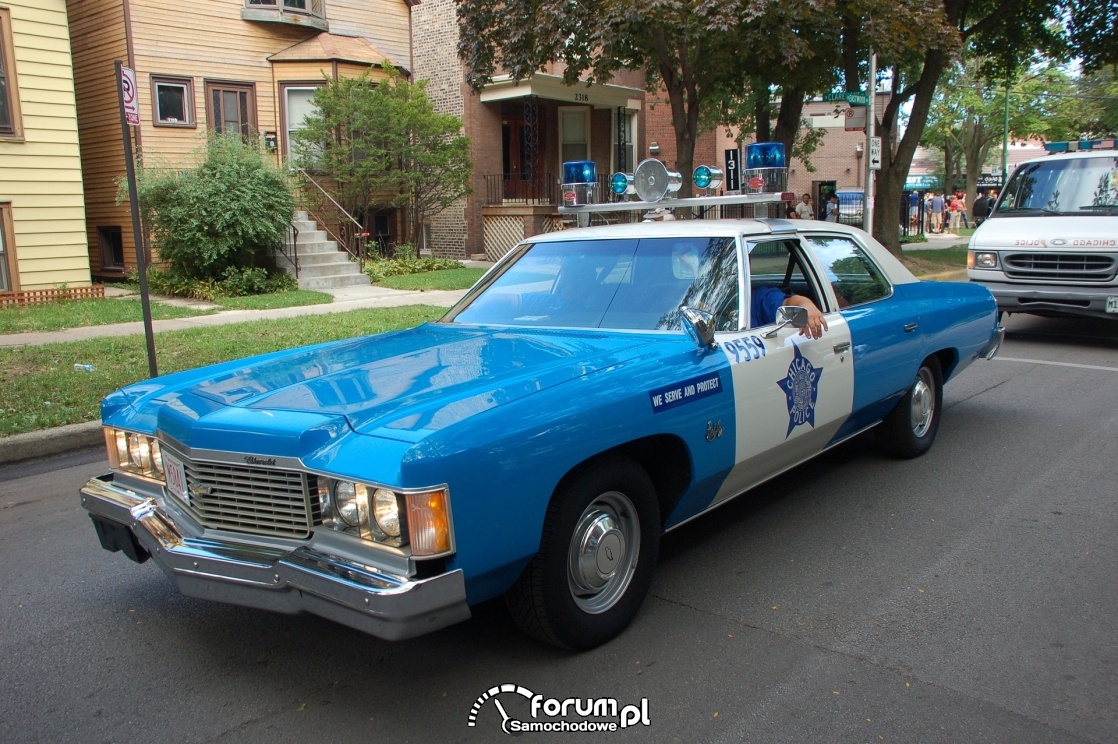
321,264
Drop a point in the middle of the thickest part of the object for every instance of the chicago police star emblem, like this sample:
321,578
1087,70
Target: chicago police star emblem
801,388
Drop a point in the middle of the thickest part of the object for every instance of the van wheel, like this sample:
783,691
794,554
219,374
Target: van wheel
597,553
910,428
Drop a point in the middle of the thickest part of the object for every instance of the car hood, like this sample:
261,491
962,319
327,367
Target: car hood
401,385
1047,232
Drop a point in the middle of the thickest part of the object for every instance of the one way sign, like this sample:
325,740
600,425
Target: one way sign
875,153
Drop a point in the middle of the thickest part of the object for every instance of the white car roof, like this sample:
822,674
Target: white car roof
1077,155
747,228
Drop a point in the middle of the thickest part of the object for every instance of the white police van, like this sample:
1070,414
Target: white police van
1050,245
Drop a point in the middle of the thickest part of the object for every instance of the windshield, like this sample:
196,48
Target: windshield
1068,186
618,284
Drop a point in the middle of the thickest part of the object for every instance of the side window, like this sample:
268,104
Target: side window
172,101
11,124
776,267
854,277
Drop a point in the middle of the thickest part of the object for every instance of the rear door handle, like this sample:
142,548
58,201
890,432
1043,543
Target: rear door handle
842,348
910,327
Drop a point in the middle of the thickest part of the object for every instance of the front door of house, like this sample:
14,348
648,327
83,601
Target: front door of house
522,159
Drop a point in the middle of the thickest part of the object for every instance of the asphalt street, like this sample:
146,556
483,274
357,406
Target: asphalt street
966,596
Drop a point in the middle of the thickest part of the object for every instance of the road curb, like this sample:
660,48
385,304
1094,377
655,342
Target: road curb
50,441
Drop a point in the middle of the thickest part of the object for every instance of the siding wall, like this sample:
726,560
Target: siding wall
205,40
41,176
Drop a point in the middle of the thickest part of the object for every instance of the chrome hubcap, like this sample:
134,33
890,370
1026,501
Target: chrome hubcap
603,552
923,403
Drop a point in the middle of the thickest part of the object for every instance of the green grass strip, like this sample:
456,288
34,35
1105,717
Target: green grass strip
58,316
40,389
463,278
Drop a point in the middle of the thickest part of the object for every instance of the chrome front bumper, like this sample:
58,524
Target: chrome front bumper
292,581
990,350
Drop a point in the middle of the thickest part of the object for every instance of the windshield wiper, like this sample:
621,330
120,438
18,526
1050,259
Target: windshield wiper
1100,207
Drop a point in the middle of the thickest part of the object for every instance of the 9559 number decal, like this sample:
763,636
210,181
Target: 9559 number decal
744,349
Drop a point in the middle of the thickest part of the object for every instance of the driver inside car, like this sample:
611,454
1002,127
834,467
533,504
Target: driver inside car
767,300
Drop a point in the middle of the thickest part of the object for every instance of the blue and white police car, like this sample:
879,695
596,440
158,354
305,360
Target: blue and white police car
598,387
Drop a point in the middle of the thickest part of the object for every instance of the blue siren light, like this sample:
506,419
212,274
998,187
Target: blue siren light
580,171
764,155
707,177
621,183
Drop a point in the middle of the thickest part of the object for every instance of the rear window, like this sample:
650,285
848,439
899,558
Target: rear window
1074,186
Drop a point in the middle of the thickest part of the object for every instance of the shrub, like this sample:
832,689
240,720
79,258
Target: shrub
405,261
234,283
227,213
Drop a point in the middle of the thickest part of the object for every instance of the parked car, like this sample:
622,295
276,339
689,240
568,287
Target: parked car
1050,245
595,389
850,206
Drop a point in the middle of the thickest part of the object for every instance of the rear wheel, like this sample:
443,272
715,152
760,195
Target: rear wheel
910,428
597,553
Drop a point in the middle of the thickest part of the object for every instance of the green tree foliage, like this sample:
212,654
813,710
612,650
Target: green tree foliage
383,145
966,122
227,213
1098,92
692,50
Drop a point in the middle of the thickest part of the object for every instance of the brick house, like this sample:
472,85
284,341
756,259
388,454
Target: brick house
520,135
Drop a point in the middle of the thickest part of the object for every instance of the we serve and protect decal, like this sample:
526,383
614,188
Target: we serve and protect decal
668,397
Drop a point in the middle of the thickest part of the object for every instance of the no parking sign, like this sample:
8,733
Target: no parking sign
128,96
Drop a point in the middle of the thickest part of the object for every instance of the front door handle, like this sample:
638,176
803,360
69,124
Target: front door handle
842,348
910,327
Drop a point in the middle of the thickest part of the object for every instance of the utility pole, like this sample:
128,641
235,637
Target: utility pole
871,119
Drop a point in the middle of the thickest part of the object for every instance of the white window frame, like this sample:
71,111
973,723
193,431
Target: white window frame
585,111
615,165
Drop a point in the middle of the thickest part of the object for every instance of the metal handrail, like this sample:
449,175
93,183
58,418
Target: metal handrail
360,237
292,232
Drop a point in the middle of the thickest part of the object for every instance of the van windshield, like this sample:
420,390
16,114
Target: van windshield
1068,186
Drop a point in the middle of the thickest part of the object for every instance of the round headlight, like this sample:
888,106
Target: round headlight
156,456
386,512
345,503
139,452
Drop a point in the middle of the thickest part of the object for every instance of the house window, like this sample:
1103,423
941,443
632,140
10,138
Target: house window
288,4
10,123
173,101
9,272
232,108
574,134
624,141
111,240
297,106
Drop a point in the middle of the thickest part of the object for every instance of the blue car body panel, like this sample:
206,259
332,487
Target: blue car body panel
503,415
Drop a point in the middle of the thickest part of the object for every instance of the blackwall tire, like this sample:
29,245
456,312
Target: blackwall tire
597,555
910,428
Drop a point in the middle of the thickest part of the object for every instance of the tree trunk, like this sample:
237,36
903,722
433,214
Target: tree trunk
788,118
895,163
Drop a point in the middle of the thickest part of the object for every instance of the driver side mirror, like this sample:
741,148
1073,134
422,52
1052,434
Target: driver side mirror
699,325
788,315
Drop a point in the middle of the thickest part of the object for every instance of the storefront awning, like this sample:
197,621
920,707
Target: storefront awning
552,87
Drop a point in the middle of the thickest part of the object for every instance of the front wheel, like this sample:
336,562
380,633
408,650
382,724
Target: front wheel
597,553
910,428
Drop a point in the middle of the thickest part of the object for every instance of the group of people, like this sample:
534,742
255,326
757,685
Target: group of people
947,212
805,209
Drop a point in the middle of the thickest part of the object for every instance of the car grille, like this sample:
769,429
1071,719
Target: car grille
262,501
1078,267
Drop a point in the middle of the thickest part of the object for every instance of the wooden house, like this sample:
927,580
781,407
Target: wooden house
42,215
211,65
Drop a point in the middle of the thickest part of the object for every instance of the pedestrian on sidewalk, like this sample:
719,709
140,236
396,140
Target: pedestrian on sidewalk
937,207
